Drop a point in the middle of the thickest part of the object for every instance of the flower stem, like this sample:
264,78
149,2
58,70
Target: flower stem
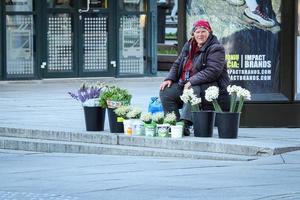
233,102
216,106
195,108
241,103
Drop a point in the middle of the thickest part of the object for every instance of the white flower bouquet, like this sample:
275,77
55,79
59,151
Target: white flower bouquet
189,97
237,97
211,95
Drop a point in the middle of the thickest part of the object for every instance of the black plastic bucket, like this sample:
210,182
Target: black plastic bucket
203,122
228,124
115,125
94,118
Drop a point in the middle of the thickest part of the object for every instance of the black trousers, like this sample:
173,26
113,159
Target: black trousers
171,102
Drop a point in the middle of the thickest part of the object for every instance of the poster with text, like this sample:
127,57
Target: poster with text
249,31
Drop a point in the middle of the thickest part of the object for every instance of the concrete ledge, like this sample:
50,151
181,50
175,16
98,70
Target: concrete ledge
242,146
195,144
99,137
39,145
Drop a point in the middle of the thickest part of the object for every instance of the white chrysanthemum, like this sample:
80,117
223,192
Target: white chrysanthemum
189,96
158,117
211,93
185,98
170,118
146,117
244,93
233,88
189,92
122,111
195,101
134,113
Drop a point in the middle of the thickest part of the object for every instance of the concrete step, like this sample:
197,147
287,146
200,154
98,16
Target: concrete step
40,145
241,146
89,137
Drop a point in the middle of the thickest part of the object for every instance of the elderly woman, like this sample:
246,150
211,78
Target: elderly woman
200,64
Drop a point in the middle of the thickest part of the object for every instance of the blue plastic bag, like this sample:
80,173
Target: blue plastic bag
155,105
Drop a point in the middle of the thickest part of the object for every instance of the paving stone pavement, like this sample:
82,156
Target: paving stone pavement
6,195
39,176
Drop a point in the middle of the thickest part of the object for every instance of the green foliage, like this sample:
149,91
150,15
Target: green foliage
115,93
171,51
171,36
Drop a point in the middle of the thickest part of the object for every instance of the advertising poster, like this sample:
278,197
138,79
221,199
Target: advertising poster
249,31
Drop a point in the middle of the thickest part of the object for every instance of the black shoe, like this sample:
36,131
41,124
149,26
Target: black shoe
186,131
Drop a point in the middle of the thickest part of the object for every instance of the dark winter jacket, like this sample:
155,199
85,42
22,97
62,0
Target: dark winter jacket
209,65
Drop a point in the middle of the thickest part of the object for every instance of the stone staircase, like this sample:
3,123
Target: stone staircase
120,144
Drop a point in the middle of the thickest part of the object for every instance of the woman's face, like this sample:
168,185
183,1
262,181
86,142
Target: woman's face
201,35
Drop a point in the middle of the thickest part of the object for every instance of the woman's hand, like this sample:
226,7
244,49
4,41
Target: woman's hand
165,84
187,85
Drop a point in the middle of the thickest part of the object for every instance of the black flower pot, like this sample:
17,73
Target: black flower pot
228,124
203,122
94,118
115,125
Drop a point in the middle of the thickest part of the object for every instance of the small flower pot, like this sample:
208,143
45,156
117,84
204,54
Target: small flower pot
176,131
163,130
138,127
127,126
150,130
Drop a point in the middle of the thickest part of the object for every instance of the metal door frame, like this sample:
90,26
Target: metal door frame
1,39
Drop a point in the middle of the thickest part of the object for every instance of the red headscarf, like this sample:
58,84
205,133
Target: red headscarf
203,24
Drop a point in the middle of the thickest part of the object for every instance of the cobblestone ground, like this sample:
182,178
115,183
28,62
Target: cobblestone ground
8,195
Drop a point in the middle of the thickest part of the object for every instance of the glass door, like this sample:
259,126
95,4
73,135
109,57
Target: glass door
132,38
95,42
77,39
20,47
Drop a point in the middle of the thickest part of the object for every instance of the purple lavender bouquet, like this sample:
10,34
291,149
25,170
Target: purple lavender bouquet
88,94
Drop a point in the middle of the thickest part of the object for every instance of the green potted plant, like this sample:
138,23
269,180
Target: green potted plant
149,125
111,99
158,119
176,130
88,94
115,97
121,114
133,120
228,122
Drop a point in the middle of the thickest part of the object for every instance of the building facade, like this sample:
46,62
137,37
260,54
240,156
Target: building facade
77,38
83,38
